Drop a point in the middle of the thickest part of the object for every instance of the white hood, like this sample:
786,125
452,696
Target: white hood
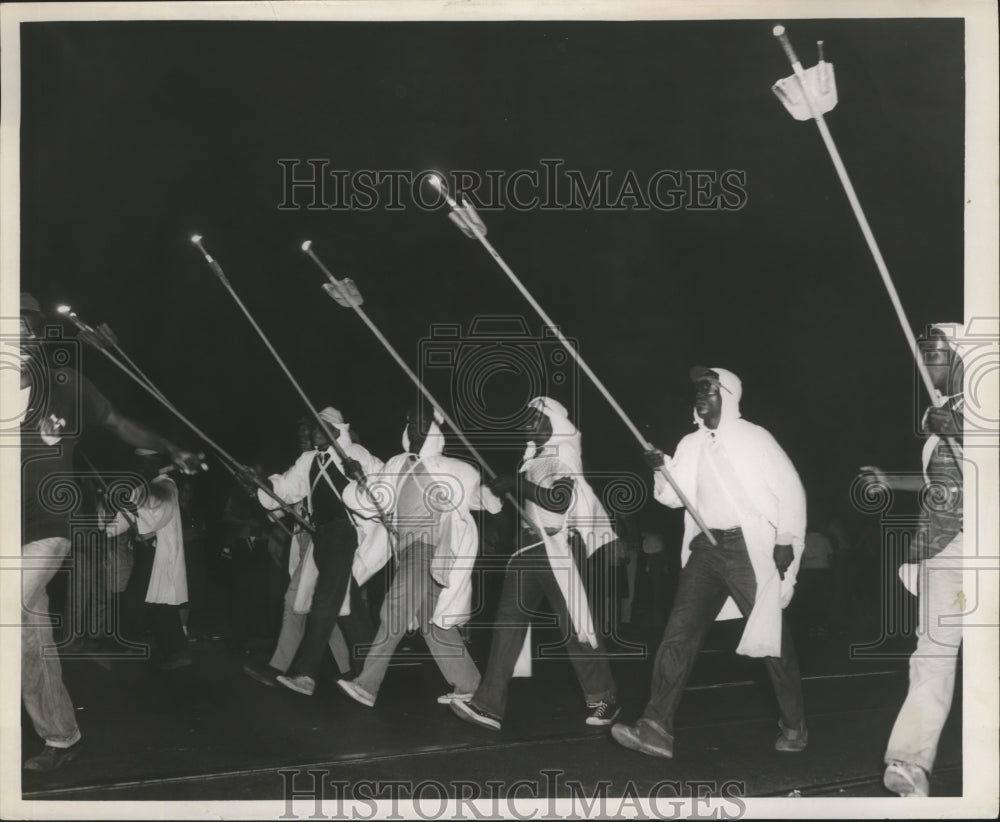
730,392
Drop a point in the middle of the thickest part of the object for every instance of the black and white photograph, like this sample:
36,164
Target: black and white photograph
491,410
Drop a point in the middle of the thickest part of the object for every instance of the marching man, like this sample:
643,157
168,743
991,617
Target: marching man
750,496
557,500
327,483
430,499
933,571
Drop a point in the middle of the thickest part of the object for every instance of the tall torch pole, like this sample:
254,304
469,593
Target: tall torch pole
468,221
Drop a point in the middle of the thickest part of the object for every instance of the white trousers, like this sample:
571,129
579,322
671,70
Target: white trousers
941,601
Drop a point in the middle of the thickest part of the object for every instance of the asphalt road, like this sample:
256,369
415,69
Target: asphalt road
209,732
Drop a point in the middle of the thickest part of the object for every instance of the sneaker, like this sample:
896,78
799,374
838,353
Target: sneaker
453,696
51,758
603,713
301,684
356,692
645,738
906,779
791,741
463,710
264,674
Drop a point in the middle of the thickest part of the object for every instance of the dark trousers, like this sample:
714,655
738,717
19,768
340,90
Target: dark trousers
334,545
710,576
529,580
164,621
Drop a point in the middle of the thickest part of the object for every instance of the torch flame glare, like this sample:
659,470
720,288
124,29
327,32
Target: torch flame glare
435,181
64,309
778,31
306,245
195,238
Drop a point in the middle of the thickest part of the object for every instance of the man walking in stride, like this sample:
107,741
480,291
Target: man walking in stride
431,497
322,479
558,500
933,571
750,497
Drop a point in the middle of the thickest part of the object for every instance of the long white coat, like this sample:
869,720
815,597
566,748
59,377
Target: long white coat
561,457
455,487
771,506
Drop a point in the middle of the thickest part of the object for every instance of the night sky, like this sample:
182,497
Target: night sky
136,135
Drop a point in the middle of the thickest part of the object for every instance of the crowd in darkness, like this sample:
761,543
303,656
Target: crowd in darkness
237,571
314,557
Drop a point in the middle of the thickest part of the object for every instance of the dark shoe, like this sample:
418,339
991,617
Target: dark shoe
603,713
791,741
645,738
51,758
264,674
463,710
175,661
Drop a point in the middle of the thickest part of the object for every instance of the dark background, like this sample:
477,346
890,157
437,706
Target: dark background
136,135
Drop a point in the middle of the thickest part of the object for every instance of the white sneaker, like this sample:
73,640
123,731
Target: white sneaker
447,699
906,779
356,692
301,684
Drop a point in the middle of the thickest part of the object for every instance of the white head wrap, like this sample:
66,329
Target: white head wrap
565,439
433,442
331,416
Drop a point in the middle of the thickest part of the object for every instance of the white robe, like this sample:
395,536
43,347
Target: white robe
561,457
457,486
771,506
159,515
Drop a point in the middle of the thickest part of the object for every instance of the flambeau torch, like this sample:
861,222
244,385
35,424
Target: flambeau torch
809,94
471,225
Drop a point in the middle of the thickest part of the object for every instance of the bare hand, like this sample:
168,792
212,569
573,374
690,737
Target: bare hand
501,486
943,421
353,470
187,461
783,556
654,458
248,478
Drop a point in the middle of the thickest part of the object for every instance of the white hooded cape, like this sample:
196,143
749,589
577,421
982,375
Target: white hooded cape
770,503
456,487
585,515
